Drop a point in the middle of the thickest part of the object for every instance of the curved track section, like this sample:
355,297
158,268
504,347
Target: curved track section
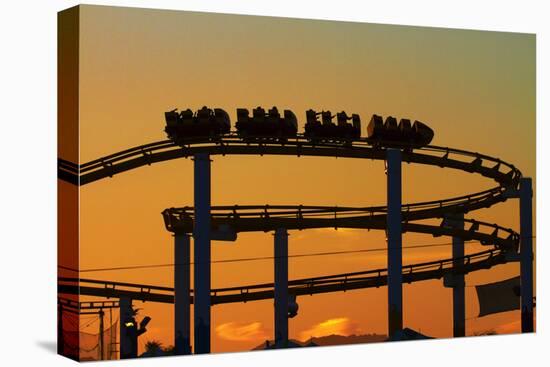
307,286
268,218
504,173
503,244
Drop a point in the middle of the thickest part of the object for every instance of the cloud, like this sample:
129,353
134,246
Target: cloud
339,326
511,327
241,332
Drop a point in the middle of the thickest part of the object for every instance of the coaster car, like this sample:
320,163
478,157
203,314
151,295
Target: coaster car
390,133
205,123
327,130
262,125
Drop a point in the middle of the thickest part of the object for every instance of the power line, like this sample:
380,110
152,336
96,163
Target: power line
133,267
90,323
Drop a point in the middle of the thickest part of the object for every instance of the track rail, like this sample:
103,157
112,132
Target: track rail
306,286
108,166
265,218
505,174
270,217
503,240
86,305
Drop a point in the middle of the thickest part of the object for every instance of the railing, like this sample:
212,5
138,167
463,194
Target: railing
231,143
322,284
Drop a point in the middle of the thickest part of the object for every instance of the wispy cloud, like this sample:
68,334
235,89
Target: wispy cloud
339,326
509,328
241,332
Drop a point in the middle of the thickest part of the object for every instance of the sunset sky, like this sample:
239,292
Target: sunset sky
475,89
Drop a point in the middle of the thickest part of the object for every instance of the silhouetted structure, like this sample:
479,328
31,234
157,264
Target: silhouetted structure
266,126
85,346
328,130
202,253
389,133
182,294
387,141
280,290
394,241
129,329
408,334
185,127
455,279
526,253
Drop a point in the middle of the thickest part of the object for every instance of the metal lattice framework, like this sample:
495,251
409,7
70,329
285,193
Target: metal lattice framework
108,166
503,241
306,286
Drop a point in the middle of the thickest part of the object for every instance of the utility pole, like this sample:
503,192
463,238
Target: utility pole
101,336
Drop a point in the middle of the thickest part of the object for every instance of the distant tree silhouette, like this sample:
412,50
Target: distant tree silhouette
153,347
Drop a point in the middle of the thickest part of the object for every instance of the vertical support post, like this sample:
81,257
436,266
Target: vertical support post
101,336
126,347
281,287
201,234
60,341
459,296
182,297
394,234
526,253
111,335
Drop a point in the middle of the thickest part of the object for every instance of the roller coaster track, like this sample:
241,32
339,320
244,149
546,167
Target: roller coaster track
83,308
266,218
87,305
503,240
148,154
307,286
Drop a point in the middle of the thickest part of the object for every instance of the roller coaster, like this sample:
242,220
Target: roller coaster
374,278
232,144
205,222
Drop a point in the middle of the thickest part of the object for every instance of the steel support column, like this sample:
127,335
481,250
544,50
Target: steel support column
201,236
459,296
394,236
281,287
526,254
182,299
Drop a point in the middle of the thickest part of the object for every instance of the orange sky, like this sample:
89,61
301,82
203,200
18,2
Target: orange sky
475,89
